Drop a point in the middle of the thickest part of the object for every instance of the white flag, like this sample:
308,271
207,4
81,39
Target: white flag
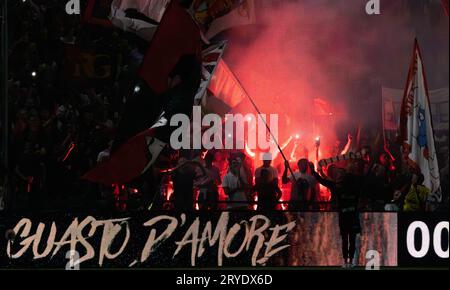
240,16
416,126
153,9
141,28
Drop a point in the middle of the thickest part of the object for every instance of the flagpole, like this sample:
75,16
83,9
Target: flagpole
265,123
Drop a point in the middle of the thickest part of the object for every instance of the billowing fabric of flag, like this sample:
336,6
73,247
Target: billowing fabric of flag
210,59
129,161
225,91
174,53
153,9
177,35
416,127
97,12
141,28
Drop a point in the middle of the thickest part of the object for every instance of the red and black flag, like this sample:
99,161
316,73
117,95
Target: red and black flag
173,54
177,35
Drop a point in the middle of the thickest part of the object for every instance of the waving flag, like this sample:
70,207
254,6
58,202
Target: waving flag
174,52
176,36
129,161
416,126
225,91
210,60
119,18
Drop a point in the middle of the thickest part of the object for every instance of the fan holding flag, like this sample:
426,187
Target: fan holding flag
416,134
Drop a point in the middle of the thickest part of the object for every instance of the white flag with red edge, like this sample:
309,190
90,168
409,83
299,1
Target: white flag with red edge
211,57
416,127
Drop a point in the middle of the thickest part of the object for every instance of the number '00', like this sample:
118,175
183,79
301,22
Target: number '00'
425,234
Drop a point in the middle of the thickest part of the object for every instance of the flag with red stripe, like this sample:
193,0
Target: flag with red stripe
416,132
176,36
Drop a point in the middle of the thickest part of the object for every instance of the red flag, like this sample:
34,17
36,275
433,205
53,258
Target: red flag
177,35
226,91
129,161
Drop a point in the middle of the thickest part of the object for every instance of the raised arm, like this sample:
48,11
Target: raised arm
348,145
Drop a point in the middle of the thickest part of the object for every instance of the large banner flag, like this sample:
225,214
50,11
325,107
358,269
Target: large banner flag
445,6
214,16
416,127
175,51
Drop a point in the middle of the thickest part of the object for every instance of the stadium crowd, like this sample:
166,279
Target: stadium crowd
60,128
